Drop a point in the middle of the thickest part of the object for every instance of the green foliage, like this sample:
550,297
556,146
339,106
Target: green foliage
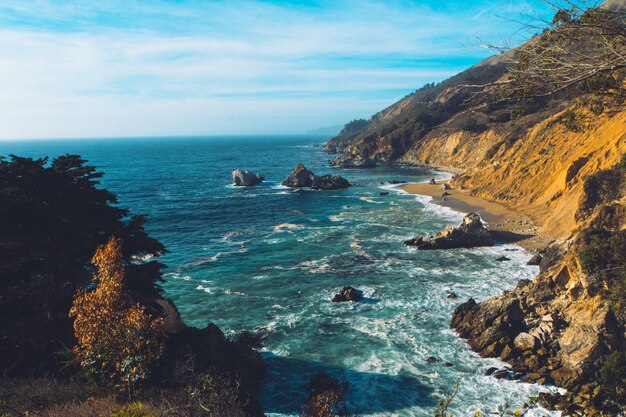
573,121
135,409
354,126
603,257
52,218
613,377
493,149
596,105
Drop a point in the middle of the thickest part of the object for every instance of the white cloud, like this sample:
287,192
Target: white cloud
214,68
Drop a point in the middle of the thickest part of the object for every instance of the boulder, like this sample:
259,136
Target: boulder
446,186
384,193
470,233
302,177
347,294
245,178
445,194
432,181
502,259
525,341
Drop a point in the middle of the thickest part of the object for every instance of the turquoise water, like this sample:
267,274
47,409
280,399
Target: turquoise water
270,258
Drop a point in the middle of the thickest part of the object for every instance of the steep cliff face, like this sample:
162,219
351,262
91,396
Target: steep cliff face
559,159
541,174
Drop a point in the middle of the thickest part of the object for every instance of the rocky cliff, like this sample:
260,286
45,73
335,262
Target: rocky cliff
556,158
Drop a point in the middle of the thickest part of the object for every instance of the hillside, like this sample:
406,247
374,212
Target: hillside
547,140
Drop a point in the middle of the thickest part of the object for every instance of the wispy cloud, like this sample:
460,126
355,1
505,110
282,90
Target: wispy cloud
151,68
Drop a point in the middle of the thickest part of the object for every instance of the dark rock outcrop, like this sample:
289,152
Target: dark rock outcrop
470,233
535,260
551,330
303,178
245,178
208,350
353,162
502,259
347,294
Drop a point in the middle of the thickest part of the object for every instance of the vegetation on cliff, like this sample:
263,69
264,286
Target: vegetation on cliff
78,271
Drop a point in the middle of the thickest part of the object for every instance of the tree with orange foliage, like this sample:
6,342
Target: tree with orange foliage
117,339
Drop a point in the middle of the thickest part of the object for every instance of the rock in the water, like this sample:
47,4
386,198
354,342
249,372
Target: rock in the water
445,194
451,294
431,360
384,193
347,294
352,162
302,177
490,371
245,178
502,259
470,233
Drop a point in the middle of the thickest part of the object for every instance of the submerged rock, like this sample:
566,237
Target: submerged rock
502,259
245,178
470,233
302,177
347,294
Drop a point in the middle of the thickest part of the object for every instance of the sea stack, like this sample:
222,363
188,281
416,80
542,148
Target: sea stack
470,233
245,178
303,178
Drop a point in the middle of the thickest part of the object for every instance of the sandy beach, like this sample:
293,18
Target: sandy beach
506,224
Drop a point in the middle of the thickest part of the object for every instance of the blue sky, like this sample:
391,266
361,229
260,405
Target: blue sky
133,68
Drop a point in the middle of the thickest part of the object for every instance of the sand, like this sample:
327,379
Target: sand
507,225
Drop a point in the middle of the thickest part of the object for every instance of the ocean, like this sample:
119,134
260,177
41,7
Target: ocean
269,259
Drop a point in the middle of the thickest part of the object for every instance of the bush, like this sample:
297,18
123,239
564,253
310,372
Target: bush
134,410
493,150
613,377
573,121
603,256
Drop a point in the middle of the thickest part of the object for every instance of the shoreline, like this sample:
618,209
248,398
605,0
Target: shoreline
506,225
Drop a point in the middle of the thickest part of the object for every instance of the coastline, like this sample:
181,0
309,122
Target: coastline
507,225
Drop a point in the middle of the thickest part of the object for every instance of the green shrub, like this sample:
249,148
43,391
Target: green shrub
491,152
134,410
613,377
573,121
603,257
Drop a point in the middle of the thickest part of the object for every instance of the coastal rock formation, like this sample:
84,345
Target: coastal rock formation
554,329
352,162
470,233
302,177
347,294
246,178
